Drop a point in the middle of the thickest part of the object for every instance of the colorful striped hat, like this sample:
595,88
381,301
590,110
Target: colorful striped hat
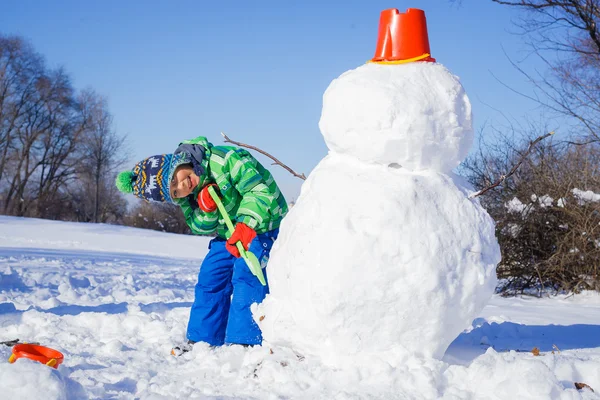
150,178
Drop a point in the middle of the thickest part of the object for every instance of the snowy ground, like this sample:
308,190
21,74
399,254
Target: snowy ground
113,300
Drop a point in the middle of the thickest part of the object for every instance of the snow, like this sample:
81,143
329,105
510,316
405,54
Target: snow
545,201
561,202
113,307
404,266
414,115
586,196
384,257
33,234
515,206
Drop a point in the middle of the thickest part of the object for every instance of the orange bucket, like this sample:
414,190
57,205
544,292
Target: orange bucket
45,355
402,37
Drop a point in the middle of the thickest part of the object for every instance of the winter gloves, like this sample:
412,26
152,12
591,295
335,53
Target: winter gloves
205,202
242,233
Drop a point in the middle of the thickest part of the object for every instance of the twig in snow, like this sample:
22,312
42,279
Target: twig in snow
581,386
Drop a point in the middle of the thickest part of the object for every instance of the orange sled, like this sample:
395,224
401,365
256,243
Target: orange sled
45,355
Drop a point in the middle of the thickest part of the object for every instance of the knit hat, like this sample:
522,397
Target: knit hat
150,178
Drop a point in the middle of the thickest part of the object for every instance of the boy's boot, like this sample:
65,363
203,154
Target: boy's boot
182,348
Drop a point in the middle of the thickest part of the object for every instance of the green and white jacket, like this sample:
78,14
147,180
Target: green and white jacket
248,192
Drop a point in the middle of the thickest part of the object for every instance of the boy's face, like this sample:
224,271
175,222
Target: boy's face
184,181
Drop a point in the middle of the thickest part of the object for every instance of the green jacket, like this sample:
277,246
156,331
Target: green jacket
248,192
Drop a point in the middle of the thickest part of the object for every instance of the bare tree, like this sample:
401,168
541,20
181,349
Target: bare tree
44,153
42,117
104,150
565,36
20,71
60,153
54,142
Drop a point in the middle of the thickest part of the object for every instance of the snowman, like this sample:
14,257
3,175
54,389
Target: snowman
384,254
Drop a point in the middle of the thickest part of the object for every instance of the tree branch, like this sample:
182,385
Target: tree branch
277,162
514,168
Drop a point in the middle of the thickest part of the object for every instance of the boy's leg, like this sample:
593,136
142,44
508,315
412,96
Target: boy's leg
208,316
247,289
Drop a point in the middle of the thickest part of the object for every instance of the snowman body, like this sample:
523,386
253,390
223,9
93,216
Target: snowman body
384,253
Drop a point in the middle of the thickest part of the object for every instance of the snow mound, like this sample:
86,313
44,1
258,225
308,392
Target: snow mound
404,266
416,115
32,380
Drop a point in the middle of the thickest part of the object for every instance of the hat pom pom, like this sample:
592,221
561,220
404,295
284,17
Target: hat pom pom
124,180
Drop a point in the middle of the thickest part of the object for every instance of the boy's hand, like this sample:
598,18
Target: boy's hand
205,202
242,233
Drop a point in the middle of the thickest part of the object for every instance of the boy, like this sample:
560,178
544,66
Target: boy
226,287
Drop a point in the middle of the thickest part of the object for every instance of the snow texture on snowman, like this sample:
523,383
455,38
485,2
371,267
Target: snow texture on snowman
384,254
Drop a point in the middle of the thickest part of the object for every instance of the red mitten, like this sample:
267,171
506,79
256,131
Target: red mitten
242,233
205,201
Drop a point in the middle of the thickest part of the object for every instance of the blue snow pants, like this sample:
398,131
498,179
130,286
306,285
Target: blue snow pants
224,293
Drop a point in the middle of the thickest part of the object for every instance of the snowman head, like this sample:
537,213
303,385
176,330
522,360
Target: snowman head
415,115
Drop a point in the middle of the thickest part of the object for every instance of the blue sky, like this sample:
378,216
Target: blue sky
257,70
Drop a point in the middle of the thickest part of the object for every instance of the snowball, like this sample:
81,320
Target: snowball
378,261
416,115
